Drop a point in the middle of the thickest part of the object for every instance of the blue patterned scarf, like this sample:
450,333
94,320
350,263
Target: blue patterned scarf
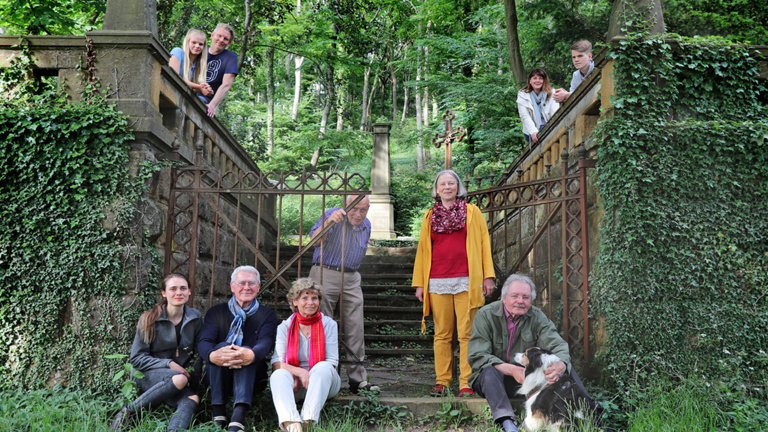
235,335
539,102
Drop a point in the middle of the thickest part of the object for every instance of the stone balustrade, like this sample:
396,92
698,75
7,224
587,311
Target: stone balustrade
132,69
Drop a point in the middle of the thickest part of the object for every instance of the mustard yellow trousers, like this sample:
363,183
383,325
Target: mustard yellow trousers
449,311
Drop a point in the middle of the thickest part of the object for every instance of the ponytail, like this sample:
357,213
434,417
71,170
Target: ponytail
146,326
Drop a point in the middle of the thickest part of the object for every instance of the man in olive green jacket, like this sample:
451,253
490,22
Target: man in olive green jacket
503,328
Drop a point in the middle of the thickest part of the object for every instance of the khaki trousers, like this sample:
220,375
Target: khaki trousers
351,309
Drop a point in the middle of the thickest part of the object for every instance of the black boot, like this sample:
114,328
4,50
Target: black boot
182,418
122,419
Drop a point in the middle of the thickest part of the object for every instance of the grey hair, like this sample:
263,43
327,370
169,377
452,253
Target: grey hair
245,268
517,277
228,28
461,193
299,287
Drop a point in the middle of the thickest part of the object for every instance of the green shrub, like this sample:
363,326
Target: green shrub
682,271
64,206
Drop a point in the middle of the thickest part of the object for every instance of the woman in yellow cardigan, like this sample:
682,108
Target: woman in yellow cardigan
452,274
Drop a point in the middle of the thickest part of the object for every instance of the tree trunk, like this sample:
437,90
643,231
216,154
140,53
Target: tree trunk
425,113
393,76
323,125
513,42
326,109
500,60
366,84
406,96
298,62
341,107
419,139
270,58
247,30
374,87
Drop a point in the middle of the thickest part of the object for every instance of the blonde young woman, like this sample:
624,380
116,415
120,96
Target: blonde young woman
536,104
191,62
452,274
164,348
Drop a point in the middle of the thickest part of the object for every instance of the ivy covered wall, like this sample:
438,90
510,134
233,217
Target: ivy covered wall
681,278
65,213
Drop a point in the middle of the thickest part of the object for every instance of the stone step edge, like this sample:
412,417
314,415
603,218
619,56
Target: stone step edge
426,405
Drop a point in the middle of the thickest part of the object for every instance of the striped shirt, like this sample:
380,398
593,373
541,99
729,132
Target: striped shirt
356,243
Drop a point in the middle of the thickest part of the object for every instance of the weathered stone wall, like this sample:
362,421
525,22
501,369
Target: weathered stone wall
169,123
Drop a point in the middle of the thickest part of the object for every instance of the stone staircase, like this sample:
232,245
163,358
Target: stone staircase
398,357
392,312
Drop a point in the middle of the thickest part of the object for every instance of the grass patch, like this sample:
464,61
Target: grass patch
687,407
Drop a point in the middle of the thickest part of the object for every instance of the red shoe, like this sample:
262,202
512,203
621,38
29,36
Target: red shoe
438,391
466,392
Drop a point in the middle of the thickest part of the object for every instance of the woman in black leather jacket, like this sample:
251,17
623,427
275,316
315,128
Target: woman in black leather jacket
163,350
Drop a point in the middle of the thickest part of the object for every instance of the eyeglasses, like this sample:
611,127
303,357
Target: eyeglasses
516,297
249,283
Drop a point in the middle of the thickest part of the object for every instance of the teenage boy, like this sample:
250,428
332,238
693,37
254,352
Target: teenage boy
581,54
222,65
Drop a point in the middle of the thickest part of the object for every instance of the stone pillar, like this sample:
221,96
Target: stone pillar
645,14
382,212
126,15
128,57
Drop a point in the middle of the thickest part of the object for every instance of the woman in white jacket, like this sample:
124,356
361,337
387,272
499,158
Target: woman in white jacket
536,104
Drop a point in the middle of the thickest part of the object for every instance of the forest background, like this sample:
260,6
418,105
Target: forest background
315,75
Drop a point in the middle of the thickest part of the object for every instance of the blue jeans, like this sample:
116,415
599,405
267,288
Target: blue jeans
206,100
242,384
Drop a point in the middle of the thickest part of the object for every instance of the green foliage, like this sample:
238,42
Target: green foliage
64,203
548,28
126,374
51,17
682,271
368,412
413,191
742,21
684,408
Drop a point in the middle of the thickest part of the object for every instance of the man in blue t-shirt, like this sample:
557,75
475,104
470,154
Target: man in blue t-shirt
222,65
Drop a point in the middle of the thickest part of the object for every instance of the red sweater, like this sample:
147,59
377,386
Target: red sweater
449,255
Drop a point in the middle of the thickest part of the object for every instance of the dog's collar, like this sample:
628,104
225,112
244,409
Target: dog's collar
533,393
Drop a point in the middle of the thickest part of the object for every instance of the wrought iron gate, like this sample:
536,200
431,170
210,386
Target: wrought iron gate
527,222
228,218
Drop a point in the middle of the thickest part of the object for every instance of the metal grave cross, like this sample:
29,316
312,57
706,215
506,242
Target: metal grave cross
449,137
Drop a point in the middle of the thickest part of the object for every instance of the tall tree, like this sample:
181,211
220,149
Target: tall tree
513,42
269,56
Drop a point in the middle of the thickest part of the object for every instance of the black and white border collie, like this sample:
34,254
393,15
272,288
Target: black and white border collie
554,406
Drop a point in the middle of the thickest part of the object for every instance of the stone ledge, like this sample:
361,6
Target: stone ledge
423,406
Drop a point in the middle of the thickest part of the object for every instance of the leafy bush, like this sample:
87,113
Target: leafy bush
64,204
681,275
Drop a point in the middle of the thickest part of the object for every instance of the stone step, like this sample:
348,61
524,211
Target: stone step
391,300
372,255
396,344
402,327
398,352
372,287
372,313
423,406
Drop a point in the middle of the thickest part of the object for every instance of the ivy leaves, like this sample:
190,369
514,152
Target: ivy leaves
683,262
62,166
